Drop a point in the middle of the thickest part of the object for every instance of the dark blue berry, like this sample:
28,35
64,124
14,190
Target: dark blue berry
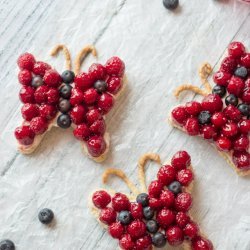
100,86
204,117
37,81
159,240
171,4
7,245
175,187
65,91
241,72
219,90
152,226
68,76
148,213
124,217
244,109
143,199
231,99
64,106
64,121
46,215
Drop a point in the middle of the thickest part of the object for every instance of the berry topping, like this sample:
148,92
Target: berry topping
184,177
223,144
120,202
29,111
245,60
105,102
142,199
93,115
136,229
244,109
26,94
222,78
199,243
167,198
232,113
170,4
175,187
235,86
183,202
174,235
241,72
25,77
182,219
152,226
218,119
179,114
97,72
181,160
204,117
241,160
90,96
144,243
192,126
52,78
41,94
155,188
124,217
7,245
236,49
65,91
37,81
77,114
148,213
101,199
26,61
46,216
81,132
166,174
241,143
96,146
212,103
100,86
64,106
114,84
244,126
83,81
64,121
38,125
24,135
228,65
155,204
52,96
136,210
116,230
230,129
191,230
126,242
76,97
165,217
68,76
208,132
40,68
115,66
219,90
159,240
107,216
193,108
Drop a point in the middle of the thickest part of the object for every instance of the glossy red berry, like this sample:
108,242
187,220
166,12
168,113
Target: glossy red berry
191,230
181,160
246,96
38,125
107,216
167,198
93,115
24,135
97,72
232,113
241,160
193,108
180,115
52,78
182,219
98,127
200,243
244,126
174,235
81,132
40,68
136,210
47,111
245,60
136,229
26,94
90,96
222,78
218,119
212,103
52,96
40,94
236,49
223,144
114,84
115,66
105,103
235,86
208,132
120,202
101,199
185,176
230,129
77,114
29,111
26,61
96,145
183,202
76,97
25,77
83,81
144,243
155,204
192,126
166,174
165,217
116,230
228,65
126,242
155,188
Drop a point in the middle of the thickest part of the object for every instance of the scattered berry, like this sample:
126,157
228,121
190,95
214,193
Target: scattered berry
170,4
7,245
101,199
46,216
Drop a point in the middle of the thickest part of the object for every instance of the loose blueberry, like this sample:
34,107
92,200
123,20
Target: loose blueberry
175,187
204,117
244,109
68,76
159,240
37,81
46,216
124,217
148,213
100,86
7,245
152,226
241,72
64,121
143,199
64,106
219,90
231,99
65,91
171,4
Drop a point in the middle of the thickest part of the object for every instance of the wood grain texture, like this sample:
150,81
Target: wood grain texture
161,50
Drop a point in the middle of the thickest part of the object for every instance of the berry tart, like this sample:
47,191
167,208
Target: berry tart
80,100
222,117
153,217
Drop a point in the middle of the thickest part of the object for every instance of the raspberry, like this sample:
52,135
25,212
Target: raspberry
167,198
96,145
77,114
40,68
246,96
97,72
26,61
126,242
83,81
144,243
174,235
218,119
199,243
191,230
245,60
120,202
101,199
155,204
212,103
76,97
25,77
90,96
236,49
24,135
235,86
192,126
98,127
41,94
230,129
184,176
136,229
38,125
182,219
232,113
26,94
52,78
208,132
107,216
180,115
241,160
47,111
52,96
223,144
165,217
115,66
193,108
181,160
114,84
105,103
136,210
116,230
155,188
29,111
228,65
244,126
183,202
222,78
81,132
166,174
93,115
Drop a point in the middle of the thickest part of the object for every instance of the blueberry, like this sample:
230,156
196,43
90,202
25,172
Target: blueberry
152,226
37,81
100,86
46,215
159,240
241,72
231,99
171,4
124,217
65,91
244,109
64,121
64,105
175,187
7,245
68,76
219,90
204,117
143,199
148,213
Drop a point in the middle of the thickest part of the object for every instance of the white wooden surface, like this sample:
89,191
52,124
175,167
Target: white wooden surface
161,50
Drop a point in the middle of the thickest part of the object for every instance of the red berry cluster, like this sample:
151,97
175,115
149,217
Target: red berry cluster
224,121
156,218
